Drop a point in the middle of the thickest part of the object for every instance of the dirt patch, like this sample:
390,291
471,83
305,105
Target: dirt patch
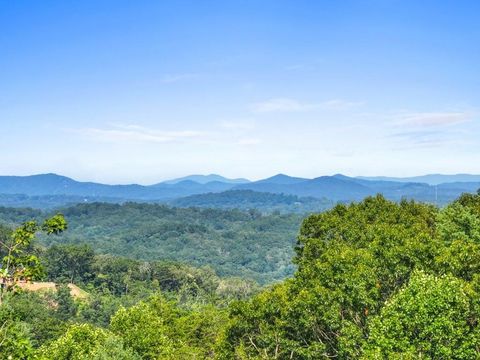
75,291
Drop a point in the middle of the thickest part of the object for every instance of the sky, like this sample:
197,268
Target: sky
142,91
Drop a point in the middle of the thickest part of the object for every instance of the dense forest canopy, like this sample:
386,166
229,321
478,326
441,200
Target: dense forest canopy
235,243
374,280
261,201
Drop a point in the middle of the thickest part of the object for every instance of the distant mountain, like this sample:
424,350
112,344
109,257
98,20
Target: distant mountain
431,179
52,184
343,188
279,183
329,187
51,190
281,179
204,179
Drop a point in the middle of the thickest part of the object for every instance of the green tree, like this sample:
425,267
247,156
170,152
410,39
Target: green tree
15,338
72,263
157,329
19,263
86,342
350,260
459,229
145,327
430,318
66,306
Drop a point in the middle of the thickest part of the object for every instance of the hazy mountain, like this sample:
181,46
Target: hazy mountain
282,179
52,184
329,187
50,190
431,179
204,179
332,187
279,183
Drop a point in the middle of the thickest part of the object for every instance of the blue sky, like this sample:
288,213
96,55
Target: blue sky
142,91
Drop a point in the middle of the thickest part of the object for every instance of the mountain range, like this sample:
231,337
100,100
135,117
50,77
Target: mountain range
58,190
204,179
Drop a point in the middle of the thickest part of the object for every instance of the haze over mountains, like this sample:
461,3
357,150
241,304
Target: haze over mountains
432,179
204,179
50,190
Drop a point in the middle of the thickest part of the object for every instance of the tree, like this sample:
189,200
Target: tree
157,329
15,340
86,342
19,263
72,263
350,260
66,306
458,227
430,318
145,327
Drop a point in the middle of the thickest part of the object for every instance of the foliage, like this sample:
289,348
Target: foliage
352,261
66,308
234,243
19,263
374,280
15,342
430,318
85,342
249,199
38,313
157,329
69,262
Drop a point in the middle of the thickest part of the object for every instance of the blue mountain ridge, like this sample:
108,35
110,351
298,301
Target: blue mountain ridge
335,188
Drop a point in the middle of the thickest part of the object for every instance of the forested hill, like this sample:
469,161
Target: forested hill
248,199
375,280
233,242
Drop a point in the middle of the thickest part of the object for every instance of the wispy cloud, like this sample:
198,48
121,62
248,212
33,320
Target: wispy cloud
294,105
338,104
173,78
433,119
429,138
280,105
248,141
134,133
420,138
238,125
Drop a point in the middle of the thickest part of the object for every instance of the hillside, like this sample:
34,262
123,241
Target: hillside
233,242
249,199
373,279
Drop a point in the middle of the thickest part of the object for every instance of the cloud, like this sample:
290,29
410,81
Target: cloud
173,78
338,104
248,141
238,125
135,133
432,119
280,105
293,105
429,129
427,138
